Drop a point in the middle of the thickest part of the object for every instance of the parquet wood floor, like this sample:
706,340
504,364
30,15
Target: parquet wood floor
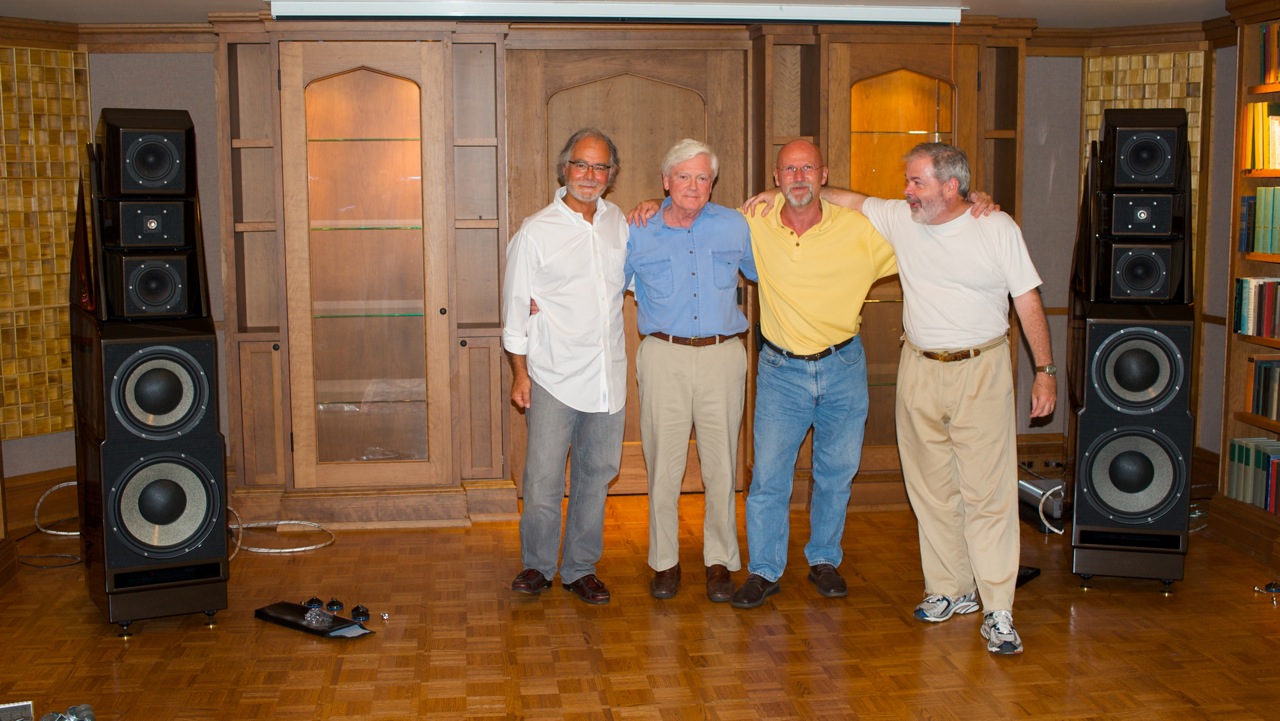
459,644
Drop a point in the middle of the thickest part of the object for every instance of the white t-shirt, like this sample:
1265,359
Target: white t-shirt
957,277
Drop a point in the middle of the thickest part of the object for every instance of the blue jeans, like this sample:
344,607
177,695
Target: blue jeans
829,395
593,442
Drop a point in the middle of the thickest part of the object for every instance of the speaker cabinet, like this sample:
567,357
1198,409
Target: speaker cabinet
1133,242
138,252
1133,441
148,224
147,152
1144,149
152,473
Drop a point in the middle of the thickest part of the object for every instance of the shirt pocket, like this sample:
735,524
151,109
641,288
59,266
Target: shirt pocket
724,268
657,277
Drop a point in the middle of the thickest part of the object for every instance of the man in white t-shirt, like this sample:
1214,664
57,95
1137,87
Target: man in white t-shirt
955,413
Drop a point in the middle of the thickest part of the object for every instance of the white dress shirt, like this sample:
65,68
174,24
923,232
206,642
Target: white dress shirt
574,346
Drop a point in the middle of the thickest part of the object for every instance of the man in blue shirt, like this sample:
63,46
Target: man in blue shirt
692,366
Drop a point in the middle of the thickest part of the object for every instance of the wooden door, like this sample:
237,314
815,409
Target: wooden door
366,237
645,100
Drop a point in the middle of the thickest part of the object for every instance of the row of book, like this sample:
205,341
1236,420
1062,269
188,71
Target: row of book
1254,471
1263,148
1270,53
1260,221
1256,310
1263,390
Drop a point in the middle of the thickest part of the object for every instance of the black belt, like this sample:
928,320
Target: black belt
699,342
812,356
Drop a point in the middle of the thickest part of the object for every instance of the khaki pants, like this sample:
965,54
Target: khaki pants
682,387
958,442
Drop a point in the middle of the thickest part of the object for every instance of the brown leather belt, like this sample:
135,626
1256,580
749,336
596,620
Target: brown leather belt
812,356
954,355
695,342
946,356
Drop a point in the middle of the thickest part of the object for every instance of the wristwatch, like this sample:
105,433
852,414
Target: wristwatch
1050,370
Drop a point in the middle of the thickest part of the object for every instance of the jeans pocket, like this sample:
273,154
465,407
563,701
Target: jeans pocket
852,354
770,357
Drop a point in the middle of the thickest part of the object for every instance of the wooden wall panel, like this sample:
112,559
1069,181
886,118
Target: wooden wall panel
645,103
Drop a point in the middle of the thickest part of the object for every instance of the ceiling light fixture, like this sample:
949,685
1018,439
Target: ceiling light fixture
742,10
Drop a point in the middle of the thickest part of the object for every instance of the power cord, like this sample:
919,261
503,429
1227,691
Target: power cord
45,495
237,528
1061,490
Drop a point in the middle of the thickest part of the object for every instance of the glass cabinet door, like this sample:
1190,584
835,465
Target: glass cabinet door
367,294
364,192
890,113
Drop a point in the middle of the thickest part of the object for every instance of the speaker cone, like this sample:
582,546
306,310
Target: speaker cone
153,160
1140,272
1137,371
155,287
166,505
1133,475
1145,157
160,392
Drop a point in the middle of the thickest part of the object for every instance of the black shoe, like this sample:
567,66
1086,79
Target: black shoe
590,589
828,581
665,583
753,593
530,581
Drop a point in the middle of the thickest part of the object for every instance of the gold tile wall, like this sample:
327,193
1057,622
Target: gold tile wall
1147,80
44,126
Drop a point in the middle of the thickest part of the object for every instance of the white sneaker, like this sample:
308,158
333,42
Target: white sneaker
938,608
1002,638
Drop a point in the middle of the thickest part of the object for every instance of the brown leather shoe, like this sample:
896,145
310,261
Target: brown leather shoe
828,581
530,581
590,589
665,583
719,584
753,593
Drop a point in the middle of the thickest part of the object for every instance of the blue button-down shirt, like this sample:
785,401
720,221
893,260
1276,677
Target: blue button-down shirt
686,279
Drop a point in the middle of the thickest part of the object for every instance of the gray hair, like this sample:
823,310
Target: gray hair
573,140
948,162
688,149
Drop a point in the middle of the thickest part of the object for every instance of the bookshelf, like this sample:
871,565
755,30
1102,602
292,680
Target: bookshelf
1246,512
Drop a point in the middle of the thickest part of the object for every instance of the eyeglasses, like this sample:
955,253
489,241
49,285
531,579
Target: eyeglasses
583,166
803,169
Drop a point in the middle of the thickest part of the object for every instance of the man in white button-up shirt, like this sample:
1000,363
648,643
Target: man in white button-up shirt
570,365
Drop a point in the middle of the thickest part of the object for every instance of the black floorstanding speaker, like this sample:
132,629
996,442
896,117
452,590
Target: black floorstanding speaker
1130,351
149,451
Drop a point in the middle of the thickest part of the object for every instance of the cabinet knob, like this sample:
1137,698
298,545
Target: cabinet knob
443,311
462,343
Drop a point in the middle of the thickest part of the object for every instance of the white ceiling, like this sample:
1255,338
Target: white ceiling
1048,13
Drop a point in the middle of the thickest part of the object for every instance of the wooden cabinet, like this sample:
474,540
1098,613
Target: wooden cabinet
1239,522
368,218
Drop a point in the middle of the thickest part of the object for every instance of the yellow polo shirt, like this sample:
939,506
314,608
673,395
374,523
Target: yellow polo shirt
812,286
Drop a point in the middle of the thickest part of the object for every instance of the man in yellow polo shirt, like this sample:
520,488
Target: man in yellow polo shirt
816,263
